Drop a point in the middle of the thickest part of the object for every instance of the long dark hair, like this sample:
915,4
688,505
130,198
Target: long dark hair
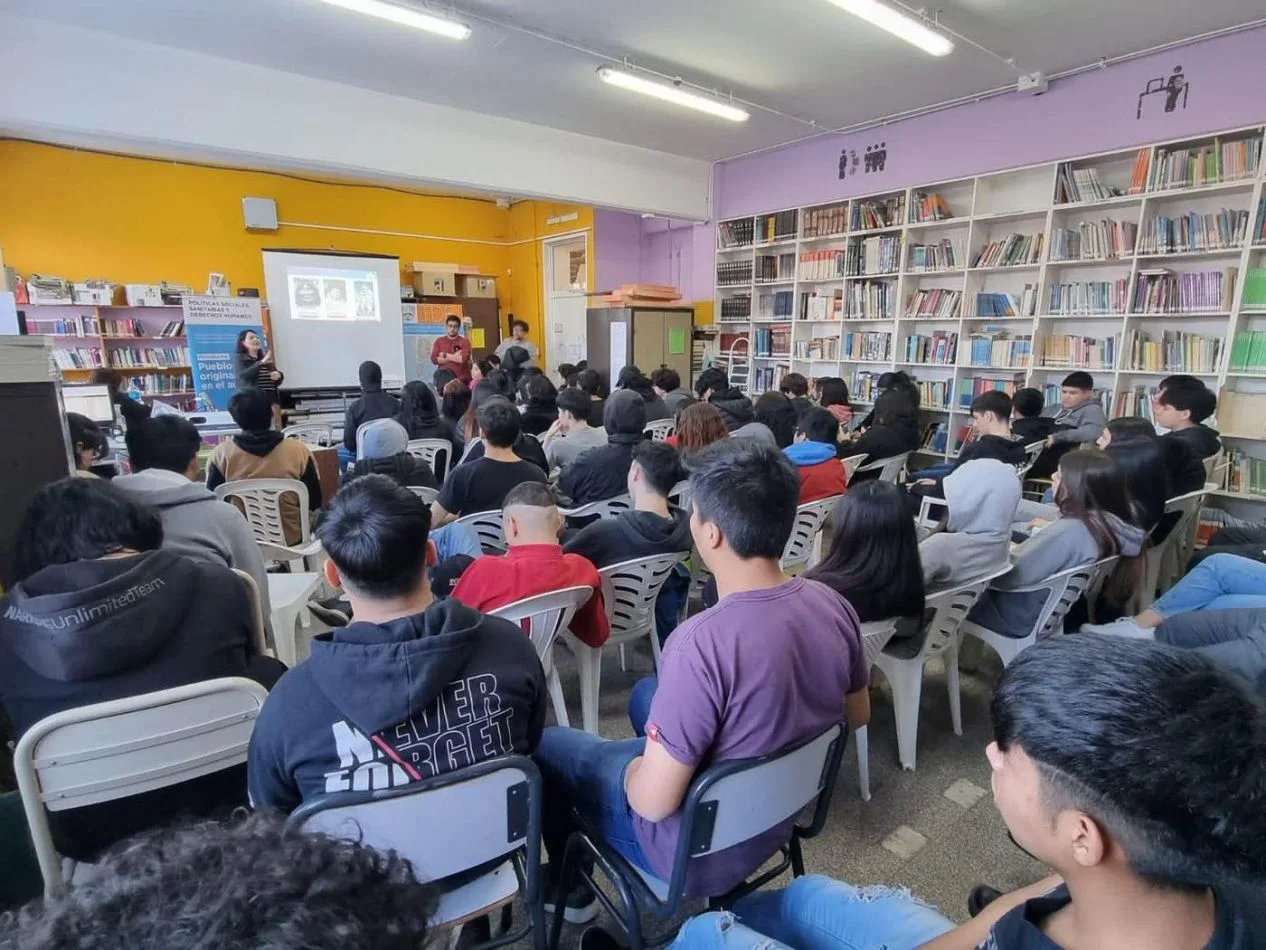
777,412
484,390
418,410
832,391
874,558
1092,486
455,401
241,341
1141,458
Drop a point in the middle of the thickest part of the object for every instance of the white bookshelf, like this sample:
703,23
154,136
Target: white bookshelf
987,208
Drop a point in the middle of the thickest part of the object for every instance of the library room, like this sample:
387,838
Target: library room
403,401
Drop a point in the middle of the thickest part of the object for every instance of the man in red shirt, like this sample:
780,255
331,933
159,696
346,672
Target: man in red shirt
813,452
452,351
534,563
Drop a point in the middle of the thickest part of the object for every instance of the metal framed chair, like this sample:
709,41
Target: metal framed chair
890,469
437,453
125,747
726,804
450,824
259,499
310,433
488,528
801,551
875,637
660,429
543,617
606,508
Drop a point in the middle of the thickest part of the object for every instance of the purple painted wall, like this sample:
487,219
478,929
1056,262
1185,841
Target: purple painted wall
1092,112
617,243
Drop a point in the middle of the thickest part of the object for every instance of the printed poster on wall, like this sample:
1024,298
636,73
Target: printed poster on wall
423,324
212,325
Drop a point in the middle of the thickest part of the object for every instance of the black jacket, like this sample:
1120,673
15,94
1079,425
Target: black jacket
403,469
992,447
735,408
381,705
441,429
1200,439
802,405
633,534
536,419
373,404
881,442
254,374
656,408
1184,468
603,473
1035,429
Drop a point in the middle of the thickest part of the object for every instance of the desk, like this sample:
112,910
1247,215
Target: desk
326,458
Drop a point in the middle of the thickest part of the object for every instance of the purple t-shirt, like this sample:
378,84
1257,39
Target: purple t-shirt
760,671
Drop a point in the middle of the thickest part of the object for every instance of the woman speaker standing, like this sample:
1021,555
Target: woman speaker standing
256,370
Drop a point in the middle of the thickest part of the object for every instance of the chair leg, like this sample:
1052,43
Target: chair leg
955,695
555,687
907,689
623,668
589,664
655,647
861,738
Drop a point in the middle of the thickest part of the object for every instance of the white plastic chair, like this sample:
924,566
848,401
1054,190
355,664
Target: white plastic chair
488,528
125,747
1063,590
605,508
629,590
259,499
544,617
310,433
905,676
890,469
801,551
680,494
1031,453
258,638
925,519
851,465
360,443
289,595
1163,564
875,637
437,453
428,495
660,429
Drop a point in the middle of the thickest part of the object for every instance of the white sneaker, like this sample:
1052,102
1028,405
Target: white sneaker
1125,627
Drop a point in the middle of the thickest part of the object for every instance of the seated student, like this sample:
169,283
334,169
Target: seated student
991,418
534,563
776,413
698,426
384,450
483,484
525,446
442,377
256,884
1078,419
833,397
565,373
722,692
364,711
1132,443
100,611
540,409
1096,520
740,416
372,404
892,432
653,526
902,386
873,562
454,403
420,416
656,408
571,434
603,473
796,388
982,497
1028,425
667,383
590,383
1182,409
1130,770
821,474
709,382
260,451
88,442
132,410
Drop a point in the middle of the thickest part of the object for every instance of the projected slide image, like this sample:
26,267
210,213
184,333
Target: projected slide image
322,293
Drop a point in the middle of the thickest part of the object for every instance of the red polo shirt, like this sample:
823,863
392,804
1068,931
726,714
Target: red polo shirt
530,569
459,345
821,481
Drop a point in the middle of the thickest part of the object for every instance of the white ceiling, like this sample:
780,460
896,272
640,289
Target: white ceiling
804,57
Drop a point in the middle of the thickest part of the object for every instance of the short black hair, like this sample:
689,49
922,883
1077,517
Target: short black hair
165,442
1028,403
519,323
539,391
818,425
501,382
244,882
84,432
666,379
251,410
79,519
566,371
1179,379
452,318
775,411
749,490
995,401
532,495
1197,399
711,378
574,402
794,385
443,376
1079,380
589,381
627,373
1155,743
499,422
661,464
375,533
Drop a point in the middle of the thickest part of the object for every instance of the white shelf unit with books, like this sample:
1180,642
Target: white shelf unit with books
1017,277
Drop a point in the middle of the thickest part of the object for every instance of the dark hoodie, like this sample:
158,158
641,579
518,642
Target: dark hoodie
735,408
603,473
1200,439
1030,429
403,469
382,705
92,631
373,404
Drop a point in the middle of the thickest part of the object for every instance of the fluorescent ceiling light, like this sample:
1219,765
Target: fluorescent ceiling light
672,93
901,25
405,16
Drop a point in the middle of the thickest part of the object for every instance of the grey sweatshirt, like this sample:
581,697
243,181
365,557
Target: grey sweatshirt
199,525
982,496
1083,423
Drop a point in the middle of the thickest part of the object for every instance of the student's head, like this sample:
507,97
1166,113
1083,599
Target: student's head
1142,463
248,341
1116,759
375,533
624,415
251,410
573,409
502,383
370,376
169,442
1090,486
565,372
991,413
892,408
744,495
452,324
246,882
1027,403
1076,389
499,423
776,411
1178,379
832,391
480,369
1183,405
794,386
655,470
818,425
626,373
79,519
483,391
590,382
518,329
641,385
417,405
455,401
711,380
442,378
699,425
87,440
1126,429
665,380
529,515
382,439
539,392
874,552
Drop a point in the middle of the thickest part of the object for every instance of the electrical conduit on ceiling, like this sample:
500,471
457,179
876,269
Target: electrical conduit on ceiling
430,237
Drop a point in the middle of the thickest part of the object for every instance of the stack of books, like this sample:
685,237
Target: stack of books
137,328
159,384
1101,240
943,255
870,299
779,304
876,255
735,233
1140,173
776,227
935,437
1245,475
1089,297
1014,250
1255,289
868,346
82,325
825,222
77,357
1079,352
1162,291
865,387
736,309
734,273
999,349
821,307
822,265
767,378
1008,305
1194,232
929,208
873,213
936,302
940,348
819,348
1081,184
771,341
1205,164
1174,352
1248,352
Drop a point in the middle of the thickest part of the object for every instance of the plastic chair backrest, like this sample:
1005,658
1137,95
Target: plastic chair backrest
680,495
1063,590
488,528
310,433
259,499
544,616
430,451
258,640
442,825
1171,555
925,518
809,519
1212,464
1031,453
890,469
360,454
851,465
660,429
875,636
605,508
629,590
951,606
125,747
428,495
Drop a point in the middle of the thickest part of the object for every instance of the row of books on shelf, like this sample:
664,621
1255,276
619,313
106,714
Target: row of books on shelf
780,303
878,213
870,345
929,207
771,267
1194,232
771,341
941,347
141,356
733,273
1090,297
943,255
1203,164
765,378
1248,352
81,326
875,255
1100,240
1081,352
969,387
78,357
935,303
825,222
781,225
818,348
1136,401
1255,288
172,328
822,265
870,299
736,308
821,306
1000,348
159,384
735,233
1162,291
1175,351
1008,305
1259,229
1244,474
1081,184
1014,250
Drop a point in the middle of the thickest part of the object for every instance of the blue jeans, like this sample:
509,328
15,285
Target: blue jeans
1216,583
817,913
584,772
345,458
672,598
935,472
455,539
640,703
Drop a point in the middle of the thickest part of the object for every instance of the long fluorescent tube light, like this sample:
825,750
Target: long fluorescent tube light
670,93
405,17
901,25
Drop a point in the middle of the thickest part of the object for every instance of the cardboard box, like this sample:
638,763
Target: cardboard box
1242,413
143,295
435,283
471,286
